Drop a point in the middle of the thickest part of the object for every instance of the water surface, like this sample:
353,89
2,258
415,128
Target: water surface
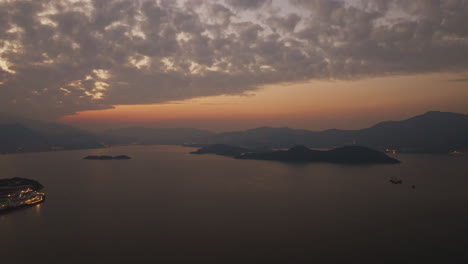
168,206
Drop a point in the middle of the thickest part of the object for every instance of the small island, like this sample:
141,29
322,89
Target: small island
19,192
120,157
343,155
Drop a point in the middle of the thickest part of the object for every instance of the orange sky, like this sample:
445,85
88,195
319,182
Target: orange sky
309,105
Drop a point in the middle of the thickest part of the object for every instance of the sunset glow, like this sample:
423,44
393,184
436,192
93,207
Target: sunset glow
311,105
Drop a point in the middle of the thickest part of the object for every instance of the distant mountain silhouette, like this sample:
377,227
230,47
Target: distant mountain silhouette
347,155
263,136
24,135
431,132
17,138
155,136
434,131
40,126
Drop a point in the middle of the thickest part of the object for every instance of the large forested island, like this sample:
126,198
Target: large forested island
19,192
347,155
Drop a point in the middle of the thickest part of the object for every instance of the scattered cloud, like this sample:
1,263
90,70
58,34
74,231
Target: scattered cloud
58,57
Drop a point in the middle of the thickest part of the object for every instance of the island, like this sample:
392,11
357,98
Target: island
344,155
120,157
19,192
222,149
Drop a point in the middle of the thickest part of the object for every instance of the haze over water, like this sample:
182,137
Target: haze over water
166,206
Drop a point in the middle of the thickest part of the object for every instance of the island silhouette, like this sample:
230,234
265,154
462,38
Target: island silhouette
345,155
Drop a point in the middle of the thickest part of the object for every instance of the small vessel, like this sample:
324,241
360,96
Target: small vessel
394,180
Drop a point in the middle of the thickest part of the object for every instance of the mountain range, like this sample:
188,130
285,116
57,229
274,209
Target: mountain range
438,132
155,136
434,131
26,135
431,132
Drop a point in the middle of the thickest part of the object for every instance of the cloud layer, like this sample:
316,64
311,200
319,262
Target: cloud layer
58,57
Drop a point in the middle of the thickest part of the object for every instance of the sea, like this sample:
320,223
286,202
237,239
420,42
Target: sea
166,205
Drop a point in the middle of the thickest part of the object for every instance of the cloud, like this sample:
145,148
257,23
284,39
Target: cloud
286,24
58,57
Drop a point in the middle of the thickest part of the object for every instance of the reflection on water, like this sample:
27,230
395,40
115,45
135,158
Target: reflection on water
37,209
168,206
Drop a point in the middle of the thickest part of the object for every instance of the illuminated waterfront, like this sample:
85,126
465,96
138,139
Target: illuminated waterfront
17,196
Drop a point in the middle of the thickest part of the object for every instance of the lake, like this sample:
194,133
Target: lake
168,206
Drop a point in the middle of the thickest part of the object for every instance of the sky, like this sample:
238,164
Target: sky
232,64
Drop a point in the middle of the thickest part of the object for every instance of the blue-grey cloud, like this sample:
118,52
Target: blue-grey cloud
58,57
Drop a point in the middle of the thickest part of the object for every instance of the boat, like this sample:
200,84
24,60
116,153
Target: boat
394,180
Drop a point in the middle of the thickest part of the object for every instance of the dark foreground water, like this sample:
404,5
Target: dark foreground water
167,206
